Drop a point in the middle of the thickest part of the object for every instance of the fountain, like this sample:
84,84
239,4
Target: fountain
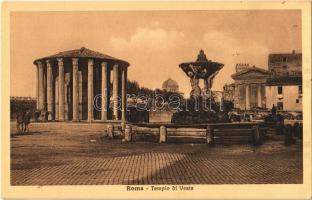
204,69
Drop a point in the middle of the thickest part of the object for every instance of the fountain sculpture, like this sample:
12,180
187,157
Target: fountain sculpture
204,69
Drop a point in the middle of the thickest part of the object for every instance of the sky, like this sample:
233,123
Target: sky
153,42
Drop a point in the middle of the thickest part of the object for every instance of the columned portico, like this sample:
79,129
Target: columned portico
259,96
115,92
249,88
247,96
90,90
61,89
124,94
37,86
49,90
41,94
68,86
75,90
104,106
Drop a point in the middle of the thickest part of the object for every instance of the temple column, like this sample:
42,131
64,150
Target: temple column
236,96
247,97
115,92
37,89
49,90
44,89
259,97
40,86
90,90
124,94
75,90
104,92
61,89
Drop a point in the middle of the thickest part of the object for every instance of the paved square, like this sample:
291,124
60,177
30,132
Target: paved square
77,154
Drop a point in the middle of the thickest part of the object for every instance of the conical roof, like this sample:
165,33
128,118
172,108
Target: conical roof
82,53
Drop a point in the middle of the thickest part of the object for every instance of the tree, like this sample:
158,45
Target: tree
133,87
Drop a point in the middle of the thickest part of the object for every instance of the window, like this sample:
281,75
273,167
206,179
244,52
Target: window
297,100
285,67
279,106
279,90
284,59
300,89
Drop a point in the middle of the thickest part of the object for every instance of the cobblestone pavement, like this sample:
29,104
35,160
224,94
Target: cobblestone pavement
77,154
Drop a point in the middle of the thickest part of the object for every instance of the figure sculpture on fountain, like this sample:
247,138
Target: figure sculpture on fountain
204,69
197,110
201,57
196,91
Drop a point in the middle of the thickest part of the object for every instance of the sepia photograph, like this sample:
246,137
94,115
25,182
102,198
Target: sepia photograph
158,100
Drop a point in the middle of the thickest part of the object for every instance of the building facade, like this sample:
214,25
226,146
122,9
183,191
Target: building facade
75,85
249,87
285,93
280,86
285,64
284,87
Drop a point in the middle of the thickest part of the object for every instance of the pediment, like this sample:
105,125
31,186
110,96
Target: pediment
251,74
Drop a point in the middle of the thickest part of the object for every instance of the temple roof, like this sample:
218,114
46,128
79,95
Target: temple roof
251,69
82,53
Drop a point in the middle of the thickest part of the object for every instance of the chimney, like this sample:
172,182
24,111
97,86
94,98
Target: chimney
293,51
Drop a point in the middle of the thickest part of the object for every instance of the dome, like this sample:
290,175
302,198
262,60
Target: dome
170,86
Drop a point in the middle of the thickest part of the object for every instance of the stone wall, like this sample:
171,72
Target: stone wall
160,116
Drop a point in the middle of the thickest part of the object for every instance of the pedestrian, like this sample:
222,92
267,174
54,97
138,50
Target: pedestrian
273,110
26,120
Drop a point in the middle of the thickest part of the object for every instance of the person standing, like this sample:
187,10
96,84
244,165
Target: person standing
273,110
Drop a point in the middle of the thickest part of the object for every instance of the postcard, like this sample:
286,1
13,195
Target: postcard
145,100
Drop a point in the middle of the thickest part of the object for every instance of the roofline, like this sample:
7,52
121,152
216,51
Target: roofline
251,69
100,56
278,84
65,57
297,80
286,53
